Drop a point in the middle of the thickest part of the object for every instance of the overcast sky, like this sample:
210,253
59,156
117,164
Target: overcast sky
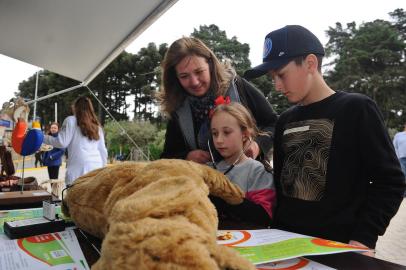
249,21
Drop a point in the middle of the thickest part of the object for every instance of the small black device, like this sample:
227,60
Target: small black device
50,222
33,226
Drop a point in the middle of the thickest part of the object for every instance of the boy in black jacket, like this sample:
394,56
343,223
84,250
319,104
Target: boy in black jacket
336,172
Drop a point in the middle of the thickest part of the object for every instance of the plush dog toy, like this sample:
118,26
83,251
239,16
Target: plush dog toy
155,215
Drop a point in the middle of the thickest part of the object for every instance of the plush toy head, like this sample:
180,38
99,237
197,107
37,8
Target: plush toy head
155,215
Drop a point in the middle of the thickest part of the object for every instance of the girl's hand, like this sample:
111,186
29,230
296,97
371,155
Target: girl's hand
198,156
253,149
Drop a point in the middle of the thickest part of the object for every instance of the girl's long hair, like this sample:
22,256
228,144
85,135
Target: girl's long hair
172,94
86,118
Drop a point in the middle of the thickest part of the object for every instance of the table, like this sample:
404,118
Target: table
347,260
26,199
91,246
354,260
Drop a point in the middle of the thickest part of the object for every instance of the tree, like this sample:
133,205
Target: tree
157,146
370,59
112,87
49,83
141,132
144,79
223,47
399,21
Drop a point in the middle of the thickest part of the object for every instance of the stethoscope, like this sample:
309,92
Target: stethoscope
234,163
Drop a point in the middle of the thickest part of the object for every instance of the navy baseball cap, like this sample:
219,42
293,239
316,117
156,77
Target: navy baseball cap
283,45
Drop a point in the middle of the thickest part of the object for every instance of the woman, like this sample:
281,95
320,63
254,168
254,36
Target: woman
192,78
53,158
83,137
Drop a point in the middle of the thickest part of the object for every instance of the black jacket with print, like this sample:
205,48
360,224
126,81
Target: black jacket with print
336,171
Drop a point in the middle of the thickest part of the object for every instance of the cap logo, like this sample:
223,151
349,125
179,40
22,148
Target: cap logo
267,47
281,53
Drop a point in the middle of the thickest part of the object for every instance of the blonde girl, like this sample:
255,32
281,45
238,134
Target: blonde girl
233,129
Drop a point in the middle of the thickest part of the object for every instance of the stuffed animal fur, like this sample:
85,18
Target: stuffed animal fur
155,215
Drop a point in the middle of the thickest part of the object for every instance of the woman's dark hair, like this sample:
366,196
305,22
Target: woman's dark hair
86,118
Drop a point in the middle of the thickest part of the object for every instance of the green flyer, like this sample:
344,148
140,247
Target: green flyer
262,246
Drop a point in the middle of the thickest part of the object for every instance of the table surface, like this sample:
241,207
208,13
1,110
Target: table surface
347,260
91,247
25,205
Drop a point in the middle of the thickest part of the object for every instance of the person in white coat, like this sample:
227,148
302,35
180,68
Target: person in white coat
83,137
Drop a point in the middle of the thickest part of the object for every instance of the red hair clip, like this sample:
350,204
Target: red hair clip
218,101
221,100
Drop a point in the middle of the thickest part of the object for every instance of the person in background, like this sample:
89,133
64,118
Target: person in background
399,141
53,158
336,172
83,137
38,159
192,78
233,129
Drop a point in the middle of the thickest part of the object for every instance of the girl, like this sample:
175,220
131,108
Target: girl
53,158
84,138
233,130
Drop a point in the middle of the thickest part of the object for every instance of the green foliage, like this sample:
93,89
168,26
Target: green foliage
392,132
141,132
111,88
144,80
49,83
157,146
223,47
278,101
370,59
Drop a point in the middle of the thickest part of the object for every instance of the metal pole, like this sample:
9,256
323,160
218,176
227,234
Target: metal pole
56,112
35,97
54,94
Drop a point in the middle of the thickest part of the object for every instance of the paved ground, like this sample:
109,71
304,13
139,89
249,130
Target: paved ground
390,247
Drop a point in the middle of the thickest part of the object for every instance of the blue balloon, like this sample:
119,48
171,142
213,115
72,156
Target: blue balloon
32,142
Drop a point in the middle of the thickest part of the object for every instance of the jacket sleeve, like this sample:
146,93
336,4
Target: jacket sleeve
386,183
175,145
45,157
56,153
262,111
261,189
395,144
101,146
247,211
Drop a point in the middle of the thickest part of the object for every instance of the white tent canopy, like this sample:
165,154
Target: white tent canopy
74,38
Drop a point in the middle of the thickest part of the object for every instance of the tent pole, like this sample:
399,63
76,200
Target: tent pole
55,94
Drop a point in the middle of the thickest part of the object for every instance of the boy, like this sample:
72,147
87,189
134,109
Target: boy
336,172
